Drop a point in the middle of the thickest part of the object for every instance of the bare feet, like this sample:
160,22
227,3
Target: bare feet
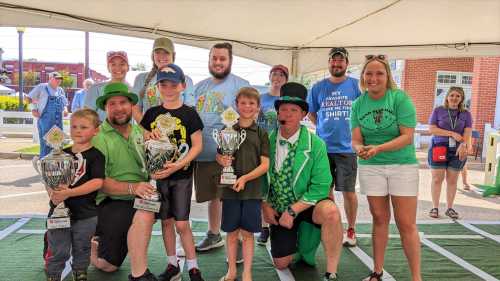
93,251
466,186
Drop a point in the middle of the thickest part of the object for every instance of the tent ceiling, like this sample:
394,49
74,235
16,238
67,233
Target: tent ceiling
275,31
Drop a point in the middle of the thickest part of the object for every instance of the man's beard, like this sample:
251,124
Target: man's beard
116,122
222,75
336,73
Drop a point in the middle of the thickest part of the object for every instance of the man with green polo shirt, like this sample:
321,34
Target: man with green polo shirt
119,141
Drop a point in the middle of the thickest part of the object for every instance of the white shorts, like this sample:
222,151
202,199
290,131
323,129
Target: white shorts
383,180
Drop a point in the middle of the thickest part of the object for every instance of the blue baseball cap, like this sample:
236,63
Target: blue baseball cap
171,72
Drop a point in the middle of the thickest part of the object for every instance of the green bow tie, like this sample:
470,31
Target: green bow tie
285,142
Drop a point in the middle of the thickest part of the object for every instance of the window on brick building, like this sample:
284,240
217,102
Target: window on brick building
447,79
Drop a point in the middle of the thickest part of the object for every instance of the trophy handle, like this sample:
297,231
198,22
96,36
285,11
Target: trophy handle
243,136
78,163
183,150
36,164
215,135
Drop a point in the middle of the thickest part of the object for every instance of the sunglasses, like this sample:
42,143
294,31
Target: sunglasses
116,53
372,57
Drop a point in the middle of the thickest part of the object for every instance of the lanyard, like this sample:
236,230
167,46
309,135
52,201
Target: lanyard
453,124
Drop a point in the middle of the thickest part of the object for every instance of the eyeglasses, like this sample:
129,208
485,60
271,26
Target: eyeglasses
372,57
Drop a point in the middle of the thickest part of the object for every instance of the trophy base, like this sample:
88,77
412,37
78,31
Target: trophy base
147,205
58,222
228,178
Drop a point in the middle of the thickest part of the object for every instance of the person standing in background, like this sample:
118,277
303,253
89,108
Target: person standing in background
79,97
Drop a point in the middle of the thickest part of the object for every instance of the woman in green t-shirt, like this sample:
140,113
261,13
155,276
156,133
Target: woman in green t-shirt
383,121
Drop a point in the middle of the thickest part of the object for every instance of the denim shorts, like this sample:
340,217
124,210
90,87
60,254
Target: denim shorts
452,161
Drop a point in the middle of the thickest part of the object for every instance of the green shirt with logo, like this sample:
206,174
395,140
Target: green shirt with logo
379,121
124,157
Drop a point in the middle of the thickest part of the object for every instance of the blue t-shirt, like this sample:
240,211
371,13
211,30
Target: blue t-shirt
268,118
332,104
78,100
210,100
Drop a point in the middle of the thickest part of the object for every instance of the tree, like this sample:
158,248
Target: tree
68,80
140,66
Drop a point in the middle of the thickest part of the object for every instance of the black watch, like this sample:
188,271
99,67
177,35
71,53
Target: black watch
291,212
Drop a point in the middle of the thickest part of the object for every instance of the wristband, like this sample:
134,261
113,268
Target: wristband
291,212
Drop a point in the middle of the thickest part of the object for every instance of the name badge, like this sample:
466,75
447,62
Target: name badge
452,142
56,223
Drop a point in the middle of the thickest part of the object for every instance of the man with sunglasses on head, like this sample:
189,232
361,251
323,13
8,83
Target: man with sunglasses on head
330,103
48,103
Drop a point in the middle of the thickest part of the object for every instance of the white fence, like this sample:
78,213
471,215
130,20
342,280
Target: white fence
23,122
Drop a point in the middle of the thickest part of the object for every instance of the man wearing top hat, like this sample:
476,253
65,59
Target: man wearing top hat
48,103
121,144
299,183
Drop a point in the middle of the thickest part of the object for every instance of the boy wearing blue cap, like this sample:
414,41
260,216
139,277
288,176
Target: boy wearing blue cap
174,182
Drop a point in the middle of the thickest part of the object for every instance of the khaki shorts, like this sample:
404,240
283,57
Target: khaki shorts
206,181
383,180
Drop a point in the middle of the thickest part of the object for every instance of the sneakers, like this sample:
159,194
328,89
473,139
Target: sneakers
263,237
210,241
195,274
374,276
171,273
350,237
147,276
451,213
79,275
330,277
434,213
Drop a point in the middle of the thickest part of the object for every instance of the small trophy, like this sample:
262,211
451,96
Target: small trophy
57,168
229,140
159,152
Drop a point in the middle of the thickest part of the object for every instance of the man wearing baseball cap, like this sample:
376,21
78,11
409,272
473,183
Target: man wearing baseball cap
163,53
330,103
118,66
299,183
48,103
121,143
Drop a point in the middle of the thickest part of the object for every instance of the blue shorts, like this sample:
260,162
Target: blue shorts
452,161
244,214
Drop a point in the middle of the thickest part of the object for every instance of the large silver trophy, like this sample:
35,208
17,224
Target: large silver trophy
229,140
158,152
57,168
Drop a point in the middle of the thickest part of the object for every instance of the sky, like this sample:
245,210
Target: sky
57,45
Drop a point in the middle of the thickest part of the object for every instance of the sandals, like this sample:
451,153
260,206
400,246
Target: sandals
451,213
434,213
223,278
466,186
374,275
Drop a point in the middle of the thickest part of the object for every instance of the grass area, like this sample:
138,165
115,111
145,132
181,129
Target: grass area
35,149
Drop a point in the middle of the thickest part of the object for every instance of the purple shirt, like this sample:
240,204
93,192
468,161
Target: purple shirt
441,119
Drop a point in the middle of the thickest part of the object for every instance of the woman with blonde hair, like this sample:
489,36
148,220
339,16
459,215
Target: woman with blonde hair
383,121
451,127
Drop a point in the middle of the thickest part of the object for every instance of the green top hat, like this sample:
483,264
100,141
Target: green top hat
113,90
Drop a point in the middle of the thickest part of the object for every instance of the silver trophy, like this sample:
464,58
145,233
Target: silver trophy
229,140
57,168
158,152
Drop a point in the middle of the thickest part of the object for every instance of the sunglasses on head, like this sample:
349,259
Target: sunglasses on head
371,57
116,53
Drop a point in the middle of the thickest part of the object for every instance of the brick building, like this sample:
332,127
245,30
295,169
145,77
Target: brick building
427,80
42,69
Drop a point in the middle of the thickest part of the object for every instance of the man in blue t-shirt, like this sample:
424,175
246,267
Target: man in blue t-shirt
330,103
211,97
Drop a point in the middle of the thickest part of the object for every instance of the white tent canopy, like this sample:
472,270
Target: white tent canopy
295,33
5,90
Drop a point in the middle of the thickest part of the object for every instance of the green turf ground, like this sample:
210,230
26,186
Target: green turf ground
21,257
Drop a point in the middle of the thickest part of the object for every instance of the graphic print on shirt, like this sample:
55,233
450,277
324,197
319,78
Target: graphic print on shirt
336,106
268,119
82,169
179,135
378,119
210,102
152,96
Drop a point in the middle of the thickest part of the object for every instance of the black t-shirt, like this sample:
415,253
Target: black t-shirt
188,122
84,206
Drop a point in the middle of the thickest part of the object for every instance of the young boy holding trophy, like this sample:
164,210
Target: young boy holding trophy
70,236
241,196
174,139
